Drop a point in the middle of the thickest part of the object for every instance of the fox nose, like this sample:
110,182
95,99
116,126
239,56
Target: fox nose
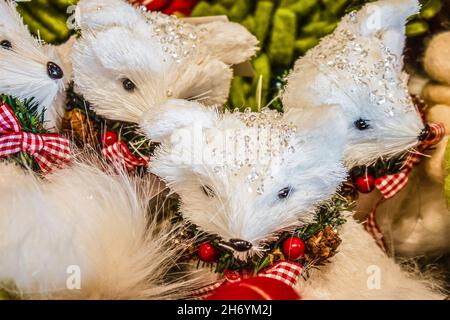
424,133
240,245
54,71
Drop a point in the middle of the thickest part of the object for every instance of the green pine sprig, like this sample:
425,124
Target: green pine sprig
328,214
32,120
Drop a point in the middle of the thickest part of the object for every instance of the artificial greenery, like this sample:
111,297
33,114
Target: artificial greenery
328,217
93,126
49,19
31,119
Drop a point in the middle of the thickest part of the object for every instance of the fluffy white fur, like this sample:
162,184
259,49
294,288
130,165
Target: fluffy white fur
23,68
238,211
85,217
351,273
340,70
234,210
121,42
227,41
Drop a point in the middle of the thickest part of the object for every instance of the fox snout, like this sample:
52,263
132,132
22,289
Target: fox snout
239,245
424,134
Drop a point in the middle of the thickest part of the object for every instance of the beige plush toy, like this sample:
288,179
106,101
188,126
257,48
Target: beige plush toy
417,221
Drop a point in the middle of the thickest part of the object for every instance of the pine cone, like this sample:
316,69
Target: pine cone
348,190
322,246
80,127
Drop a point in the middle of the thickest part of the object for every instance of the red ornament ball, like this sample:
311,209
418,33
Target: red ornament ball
207,252
180,6
293,248
156,5
365,184
109,138
257,288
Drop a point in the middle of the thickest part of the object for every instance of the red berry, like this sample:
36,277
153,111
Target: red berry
365,184
293,248
207,252
109,138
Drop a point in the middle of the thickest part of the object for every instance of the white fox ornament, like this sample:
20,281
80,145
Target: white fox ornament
128,61
29,68
360,67
206,159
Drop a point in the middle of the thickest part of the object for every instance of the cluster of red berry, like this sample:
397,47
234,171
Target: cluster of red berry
293,249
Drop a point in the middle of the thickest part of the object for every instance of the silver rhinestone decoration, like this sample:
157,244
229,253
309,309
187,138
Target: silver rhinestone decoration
348,56
178,39
263,150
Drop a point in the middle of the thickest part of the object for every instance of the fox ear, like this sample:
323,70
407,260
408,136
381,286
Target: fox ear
387,18
228,41
159,123
101,14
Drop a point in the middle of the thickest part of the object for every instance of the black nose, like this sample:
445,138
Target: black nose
240,245
54,71
424,133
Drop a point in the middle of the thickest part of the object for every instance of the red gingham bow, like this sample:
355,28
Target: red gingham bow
390,185
119,153
48,150
287,272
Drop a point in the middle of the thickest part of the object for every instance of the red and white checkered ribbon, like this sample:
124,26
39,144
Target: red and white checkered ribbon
287,272
119,153
372,228
390,185
48,150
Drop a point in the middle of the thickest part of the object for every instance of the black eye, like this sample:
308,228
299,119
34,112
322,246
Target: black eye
5,44
361,124
208,191
284,193
128,85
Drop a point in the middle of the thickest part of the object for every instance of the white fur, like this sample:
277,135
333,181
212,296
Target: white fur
23,69
230,42
235,210
354,272
101,14
85,217
127,43
378,34
239,211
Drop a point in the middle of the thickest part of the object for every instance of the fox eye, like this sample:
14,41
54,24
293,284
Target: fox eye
128,85
208,191
284,193
362,124
5,44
